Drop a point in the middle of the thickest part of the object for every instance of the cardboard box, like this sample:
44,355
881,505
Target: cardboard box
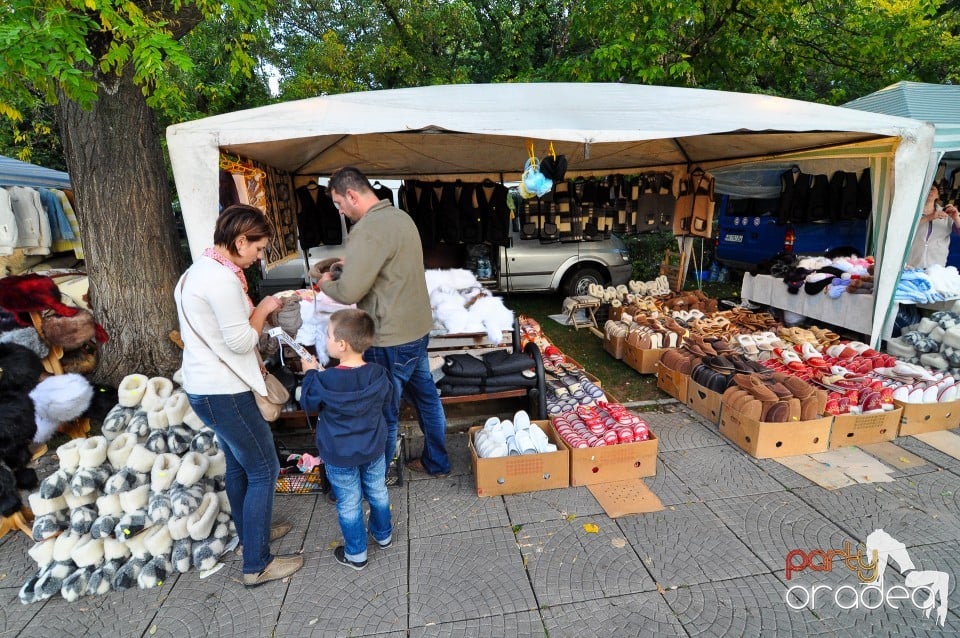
615,346
525,473
672,382
642,360
704,402
770,440
592,465
918,418
863,429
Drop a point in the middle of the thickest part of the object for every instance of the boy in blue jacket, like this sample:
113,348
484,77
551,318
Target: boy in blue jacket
353,400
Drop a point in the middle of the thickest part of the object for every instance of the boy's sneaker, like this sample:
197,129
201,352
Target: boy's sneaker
340,554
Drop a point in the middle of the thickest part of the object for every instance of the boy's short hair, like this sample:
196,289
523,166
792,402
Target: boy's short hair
355,327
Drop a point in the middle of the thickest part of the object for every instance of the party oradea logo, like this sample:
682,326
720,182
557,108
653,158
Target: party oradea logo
926,590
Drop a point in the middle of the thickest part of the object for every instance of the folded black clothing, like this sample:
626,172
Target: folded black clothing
517,380
502,362
451,379
464,365
449,390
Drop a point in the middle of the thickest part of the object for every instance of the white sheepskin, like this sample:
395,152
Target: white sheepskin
456,278
461,305
59,399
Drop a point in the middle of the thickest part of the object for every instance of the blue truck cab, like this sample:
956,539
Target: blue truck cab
748,233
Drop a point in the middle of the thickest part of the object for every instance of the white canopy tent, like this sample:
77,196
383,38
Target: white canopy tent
480,131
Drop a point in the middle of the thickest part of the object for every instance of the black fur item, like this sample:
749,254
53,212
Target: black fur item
9,496
27,478
20,368
18,426
104,398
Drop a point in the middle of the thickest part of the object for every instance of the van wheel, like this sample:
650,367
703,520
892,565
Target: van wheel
579,282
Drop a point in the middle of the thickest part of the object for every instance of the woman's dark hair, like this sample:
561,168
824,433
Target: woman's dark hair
240,220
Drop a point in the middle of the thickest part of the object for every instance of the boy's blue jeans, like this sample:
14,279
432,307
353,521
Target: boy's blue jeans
252,468
351,485
409,367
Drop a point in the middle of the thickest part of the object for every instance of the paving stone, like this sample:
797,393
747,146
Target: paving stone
323,532
668,487
772,525
644,614
16,566
326,596
457,451
189,608
449,505
14,615
527,623
689,412
568,564
750,606
782,474
551,505
852,501
299,510
719,472
117,613
472,574
681,431
688,544
929,453
932,491
908,525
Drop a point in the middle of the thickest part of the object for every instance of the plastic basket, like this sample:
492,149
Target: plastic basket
297,483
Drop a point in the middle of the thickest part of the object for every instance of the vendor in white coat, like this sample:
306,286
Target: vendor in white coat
931,243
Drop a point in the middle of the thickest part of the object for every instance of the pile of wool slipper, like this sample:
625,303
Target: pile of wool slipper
132,506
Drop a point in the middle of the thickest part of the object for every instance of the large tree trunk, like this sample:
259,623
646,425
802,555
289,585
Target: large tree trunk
127,227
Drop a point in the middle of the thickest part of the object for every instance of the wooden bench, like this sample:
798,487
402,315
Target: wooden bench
478,344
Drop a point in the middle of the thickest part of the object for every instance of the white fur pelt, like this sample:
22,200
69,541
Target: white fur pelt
450,293
57,400
316,318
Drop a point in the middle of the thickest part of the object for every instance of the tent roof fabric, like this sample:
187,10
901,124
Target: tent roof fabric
13,172
935,103
481,129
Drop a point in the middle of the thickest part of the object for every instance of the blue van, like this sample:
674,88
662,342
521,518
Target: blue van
748,233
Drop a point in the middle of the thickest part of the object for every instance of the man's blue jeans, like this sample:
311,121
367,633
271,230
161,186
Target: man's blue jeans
351,485
409,367
252,468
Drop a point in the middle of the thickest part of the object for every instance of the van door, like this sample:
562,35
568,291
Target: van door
528,264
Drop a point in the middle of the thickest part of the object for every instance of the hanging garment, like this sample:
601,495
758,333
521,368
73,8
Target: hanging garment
666,202
448,213
471,214
60,230
549,230
492,200
66,203
585,196
529,221
32,223
427,204
818,203
693,210
622,217
318,220
9,232
843,196
794,195
864,195
384,192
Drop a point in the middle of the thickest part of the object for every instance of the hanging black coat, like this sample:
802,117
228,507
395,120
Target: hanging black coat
318,220
843,196
794,195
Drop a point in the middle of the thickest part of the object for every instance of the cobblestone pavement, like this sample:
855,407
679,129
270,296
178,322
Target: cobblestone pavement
712,563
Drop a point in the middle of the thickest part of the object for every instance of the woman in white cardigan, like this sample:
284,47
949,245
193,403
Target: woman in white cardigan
220,328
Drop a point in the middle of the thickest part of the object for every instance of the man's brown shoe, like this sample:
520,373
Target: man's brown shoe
279,567
277,530
416,465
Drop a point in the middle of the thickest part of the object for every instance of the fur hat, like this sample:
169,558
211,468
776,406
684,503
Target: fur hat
20,368
82,361
70,332
32,293
200,522
29,338
119,449
176,407
131,390
116,421
158,390
61,398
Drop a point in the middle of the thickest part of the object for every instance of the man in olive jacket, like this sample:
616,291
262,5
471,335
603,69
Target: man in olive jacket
383,274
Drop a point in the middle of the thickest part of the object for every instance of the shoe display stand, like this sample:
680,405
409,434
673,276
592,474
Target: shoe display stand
588,304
